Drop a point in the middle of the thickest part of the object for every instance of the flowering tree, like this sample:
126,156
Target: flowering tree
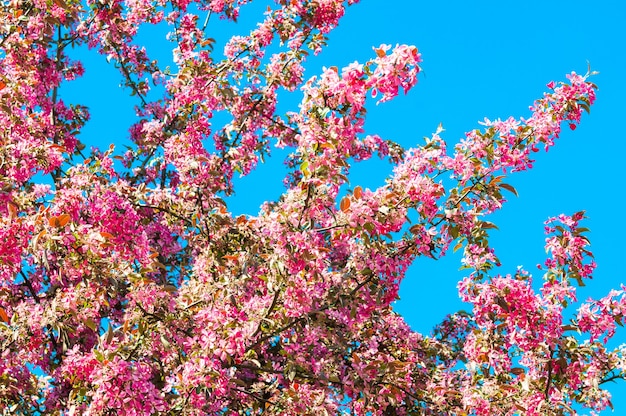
127,287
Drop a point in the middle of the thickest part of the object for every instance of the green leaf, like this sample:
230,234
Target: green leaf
485,225
366,271
585,107
91,324
579,280
304,168
323,112
457,246
109,334
509,188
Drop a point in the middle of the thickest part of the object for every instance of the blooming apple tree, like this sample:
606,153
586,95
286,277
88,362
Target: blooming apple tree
127,287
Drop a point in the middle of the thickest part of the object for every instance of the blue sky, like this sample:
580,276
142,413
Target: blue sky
481,59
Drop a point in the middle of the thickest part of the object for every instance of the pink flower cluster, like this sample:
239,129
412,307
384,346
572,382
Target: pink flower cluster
127,286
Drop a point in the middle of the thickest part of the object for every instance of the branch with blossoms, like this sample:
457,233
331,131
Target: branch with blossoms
136,291
518,326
